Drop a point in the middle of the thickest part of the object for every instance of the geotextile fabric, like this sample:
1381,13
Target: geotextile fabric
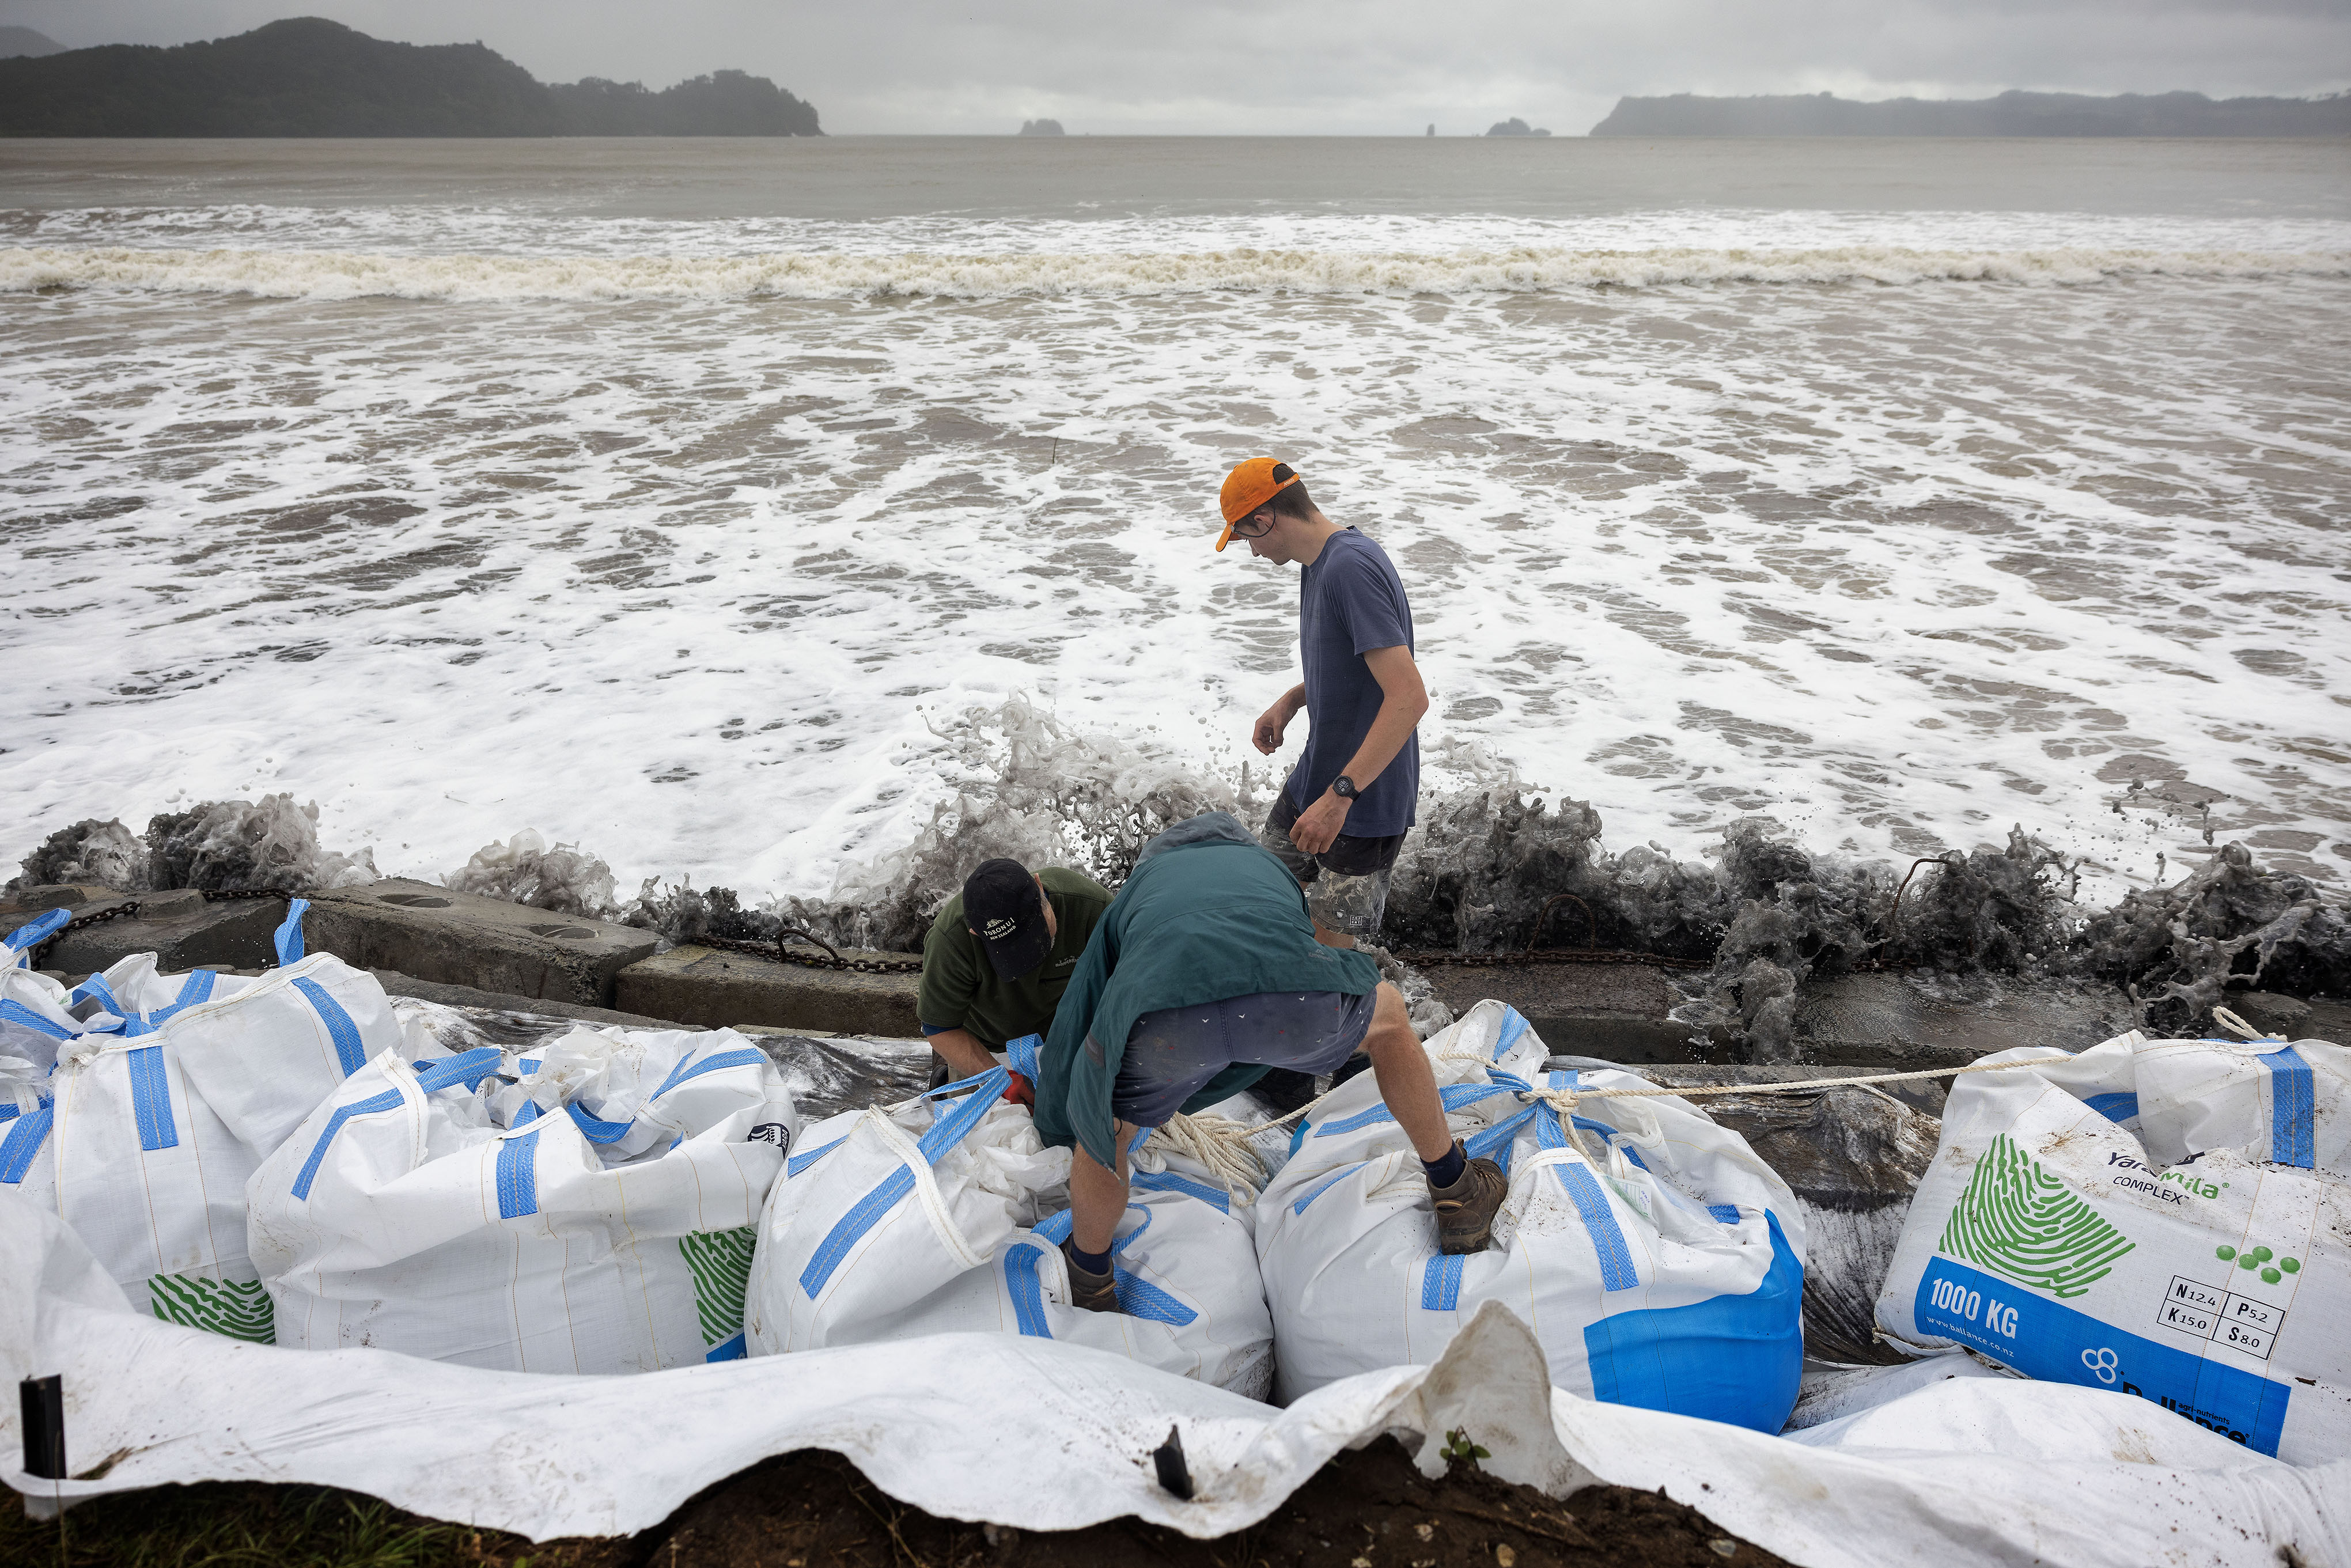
1965,1470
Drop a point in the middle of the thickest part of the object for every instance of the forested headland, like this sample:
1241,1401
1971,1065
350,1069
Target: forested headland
308,76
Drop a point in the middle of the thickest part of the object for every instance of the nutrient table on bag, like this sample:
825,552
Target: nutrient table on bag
2208,1312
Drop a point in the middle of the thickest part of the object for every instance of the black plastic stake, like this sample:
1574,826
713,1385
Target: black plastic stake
43,1404
1169,1459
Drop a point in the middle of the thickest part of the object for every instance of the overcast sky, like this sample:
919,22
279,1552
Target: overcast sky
1381,67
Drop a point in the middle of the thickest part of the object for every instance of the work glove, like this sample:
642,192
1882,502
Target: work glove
1022,1092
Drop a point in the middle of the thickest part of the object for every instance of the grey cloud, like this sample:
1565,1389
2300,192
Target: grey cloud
1300,65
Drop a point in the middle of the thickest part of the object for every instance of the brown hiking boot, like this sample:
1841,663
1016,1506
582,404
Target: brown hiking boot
1088,1291
1465,1211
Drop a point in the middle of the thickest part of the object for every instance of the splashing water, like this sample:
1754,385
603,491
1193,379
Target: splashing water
1027,787
1475,875
524,870
221,846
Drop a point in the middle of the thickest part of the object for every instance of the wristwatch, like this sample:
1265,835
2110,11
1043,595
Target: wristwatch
1343,787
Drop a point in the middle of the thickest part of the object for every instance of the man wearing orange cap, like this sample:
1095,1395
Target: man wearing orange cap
1345,807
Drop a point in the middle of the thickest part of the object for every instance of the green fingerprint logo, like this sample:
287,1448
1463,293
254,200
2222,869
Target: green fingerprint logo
721,1261
239,1309
2020,1222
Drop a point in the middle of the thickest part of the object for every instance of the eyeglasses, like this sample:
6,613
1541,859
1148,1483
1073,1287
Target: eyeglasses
1254,527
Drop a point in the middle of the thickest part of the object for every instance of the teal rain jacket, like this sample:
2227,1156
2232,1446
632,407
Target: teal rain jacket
1207,916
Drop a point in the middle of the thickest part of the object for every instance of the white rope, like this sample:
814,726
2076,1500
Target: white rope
1222,1145
1564,1098
2239,1027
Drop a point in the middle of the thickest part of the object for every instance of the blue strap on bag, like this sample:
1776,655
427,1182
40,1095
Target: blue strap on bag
945,1132
25,938
1137,1296
288,938
1021,1055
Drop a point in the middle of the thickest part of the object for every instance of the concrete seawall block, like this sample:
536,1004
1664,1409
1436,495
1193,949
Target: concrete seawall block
1918,1018
457,938
27,902
709,986
1616,1012
2294,1018
180,928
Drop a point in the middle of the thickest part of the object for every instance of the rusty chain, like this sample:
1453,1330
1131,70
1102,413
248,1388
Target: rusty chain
129,910
40,950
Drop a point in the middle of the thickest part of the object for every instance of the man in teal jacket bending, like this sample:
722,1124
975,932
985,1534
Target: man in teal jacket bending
1203,976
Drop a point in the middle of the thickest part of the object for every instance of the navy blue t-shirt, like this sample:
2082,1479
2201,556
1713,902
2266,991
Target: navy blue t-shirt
1349,601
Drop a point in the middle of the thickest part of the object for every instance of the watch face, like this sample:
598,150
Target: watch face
1344,787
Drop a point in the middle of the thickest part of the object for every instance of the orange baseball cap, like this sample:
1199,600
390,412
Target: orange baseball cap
1250,486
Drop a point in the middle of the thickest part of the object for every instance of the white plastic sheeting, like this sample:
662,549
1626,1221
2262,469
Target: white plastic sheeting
1961,1469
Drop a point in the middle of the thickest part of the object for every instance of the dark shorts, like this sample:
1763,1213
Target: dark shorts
1171,1054
1346,885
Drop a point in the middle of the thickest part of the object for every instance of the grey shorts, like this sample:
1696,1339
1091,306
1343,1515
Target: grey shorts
1171,1054
1347,885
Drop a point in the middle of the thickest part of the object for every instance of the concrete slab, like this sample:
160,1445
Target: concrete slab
27,901
180,928
1922,1019
437,934
2295,1018
1616,1012
705,985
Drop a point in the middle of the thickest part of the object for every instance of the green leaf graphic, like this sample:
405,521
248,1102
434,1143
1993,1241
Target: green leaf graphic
2021,1222
239,1309
721,1261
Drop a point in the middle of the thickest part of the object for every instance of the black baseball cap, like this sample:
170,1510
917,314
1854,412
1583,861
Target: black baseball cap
1002,902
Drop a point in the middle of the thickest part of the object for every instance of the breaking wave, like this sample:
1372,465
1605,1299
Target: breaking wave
1476,875
833,275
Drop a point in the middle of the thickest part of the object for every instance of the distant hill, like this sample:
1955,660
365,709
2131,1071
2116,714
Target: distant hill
24,41
1040,128
308,76
2009,114
1514,126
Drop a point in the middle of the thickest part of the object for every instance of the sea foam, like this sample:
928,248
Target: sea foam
794,274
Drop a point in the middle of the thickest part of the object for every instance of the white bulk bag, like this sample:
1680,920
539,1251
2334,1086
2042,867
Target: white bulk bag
135,987
937,1217
145,1130
585,1208
1658,1258
2169,1218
